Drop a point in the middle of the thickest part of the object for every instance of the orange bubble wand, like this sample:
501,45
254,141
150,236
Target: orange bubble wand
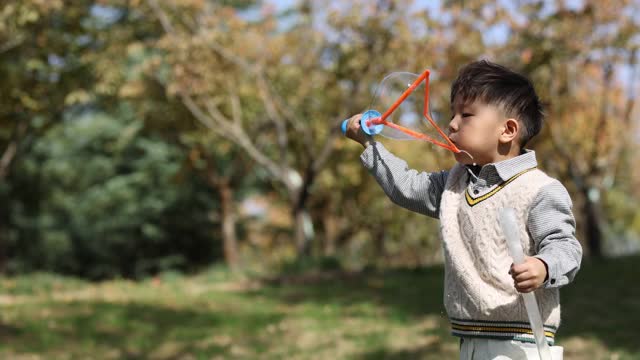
372,122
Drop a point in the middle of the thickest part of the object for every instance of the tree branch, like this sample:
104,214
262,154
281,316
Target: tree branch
232,128
236,108
11,150
162,17
10,44
274,116
7,156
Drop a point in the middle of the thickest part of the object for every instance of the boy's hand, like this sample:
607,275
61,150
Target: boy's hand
529,275
355,133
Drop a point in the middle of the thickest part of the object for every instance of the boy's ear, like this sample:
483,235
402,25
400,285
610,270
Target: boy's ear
510,130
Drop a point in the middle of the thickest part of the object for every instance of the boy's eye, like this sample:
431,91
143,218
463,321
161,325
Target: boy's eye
463,115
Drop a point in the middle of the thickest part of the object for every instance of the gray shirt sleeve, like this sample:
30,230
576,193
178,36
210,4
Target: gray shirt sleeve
416,191
553,227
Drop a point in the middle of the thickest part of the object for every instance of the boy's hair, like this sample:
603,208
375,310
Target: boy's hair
494,84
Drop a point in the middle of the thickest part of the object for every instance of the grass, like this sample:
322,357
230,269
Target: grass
325,315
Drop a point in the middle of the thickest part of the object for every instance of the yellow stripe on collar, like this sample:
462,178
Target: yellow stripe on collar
471,201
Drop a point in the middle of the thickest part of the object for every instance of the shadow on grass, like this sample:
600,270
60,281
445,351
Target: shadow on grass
406,297
426,352
602,303
131,330
409,293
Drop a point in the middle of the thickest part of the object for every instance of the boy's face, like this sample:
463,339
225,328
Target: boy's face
476,129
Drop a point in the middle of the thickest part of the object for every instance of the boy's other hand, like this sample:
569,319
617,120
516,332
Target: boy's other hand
355,133
529,275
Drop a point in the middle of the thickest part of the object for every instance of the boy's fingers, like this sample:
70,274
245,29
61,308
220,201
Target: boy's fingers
520,268
354,123
516,270
523,276
526,275
521,285
355,132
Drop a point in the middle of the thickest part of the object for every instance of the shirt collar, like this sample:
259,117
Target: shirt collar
506,169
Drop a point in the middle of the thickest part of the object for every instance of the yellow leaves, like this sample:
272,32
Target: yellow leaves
6,13
229,18
48,5
27,12
76,97
135,48
29,102
132,89
526,55
190,4
26,15
35,65
173,89
178,70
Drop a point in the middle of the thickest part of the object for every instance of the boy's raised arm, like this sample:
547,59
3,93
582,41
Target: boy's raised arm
419,192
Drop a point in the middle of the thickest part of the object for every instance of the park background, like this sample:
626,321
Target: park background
174,183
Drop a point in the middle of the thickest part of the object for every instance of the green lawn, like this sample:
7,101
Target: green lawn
390,315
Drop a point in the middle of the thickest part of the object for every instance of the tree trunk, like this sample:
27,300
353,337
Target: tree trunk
4,232
8,155
4,220
593,231
3,241
229,220
303,231
330,225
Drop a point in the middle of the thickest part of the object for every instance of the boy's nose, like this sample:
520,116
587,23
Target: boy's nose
453,125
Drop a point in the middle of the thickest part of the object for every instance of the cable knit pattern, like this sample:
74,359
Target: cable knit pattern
478,287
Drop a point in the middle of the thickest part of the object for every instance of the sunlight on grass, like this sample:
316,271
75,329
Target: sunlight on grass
218,314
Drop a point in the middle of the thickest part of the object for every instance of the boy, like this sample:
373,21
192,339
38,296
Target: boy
495,113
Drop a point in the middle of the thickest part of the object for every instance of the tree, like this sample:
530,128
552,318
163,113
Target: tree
245,86
41,45
270,90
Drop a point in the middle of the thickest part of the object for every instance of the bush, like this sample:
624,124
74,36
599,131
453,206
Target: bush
98,198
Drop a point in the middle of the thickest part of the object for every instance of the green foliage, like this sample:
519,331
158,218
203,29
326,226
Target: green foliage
104,200
41,48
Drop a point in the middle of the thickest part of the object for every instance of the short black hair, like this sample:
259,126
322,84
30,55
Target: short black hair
495,84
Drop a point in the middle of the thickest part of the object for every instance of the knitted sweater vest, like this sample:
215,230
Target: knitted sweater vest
479,295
